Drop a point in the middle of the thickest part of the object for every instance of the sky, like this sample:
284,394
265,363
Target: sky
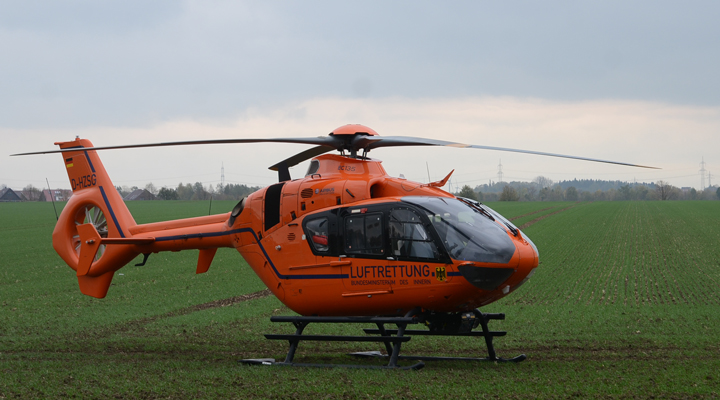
634,82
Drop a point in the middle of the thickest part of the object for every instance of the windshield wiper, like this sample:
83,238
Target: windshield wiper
512,228
477,208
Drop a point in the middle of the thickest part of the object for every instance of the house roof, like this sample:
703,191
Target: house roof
8,194
140,194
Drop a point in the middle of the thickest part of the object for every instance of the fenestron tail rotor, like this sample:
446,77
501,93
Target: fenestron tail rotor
90,214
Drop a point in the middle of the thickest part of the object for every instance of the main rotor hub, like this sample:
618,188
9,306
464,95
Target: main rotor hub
354,129
351,135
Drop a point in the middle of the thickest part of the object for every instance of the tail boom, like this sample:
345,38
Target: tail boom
96,235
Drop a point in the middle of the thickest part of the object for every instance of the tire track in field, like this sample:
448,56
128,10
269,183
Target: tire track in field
536,220
126,326
530,213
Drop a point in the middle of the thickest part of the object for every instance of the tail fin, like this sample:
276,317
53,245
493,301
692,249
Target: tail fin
95,202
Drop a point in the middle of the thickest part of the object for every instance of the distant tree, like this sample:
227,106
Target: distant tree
509,194
32,193
168,193
624,192
123,190
531,192
543,182
556,194
663,188
185,192
693,194
717,193
571,194
675,193
199,192
544,192
468,192
639,192
236,192
151,188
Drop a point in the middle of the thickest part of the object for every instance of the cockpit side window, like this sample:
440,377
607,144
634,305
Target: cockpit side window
313,168
318,234
408,237
364,234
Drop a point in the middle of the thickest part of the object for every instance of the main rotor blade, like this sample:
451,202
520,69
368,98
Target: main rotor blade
300,157
352,143
325,141
374,142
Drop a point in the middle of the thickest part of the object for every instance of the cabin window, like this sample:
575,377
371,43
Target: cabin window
364,234
408,237
272,205
318,234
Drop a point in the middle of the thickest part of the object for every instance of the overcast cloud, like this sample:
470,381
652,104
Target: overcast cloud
121,66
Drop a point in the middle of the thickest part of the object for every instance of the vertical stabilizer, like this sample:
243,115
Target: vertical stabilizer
95,203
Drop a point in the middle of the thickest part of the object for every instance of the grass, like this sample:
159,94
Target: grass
624,305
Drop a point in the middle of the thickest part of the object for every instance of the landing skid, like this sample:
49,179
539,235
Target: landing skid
439,325
271,361
378,354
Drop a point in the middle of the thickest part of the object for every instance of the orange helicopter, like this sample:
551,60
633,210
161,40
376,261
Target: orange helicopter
347,243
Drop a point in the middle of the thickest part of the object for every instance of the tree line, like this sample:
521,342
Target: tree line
195,191
545,189
540,189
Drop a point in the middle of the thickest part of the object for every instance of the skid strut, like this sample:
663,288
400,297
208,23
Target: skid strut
440,325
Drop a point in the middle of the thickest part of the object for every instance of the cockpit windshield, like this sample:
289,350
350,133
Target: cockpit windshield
467,233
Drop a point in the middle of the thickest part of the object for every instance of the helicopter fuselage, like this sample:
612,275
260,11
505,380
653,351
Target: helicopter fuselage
348,239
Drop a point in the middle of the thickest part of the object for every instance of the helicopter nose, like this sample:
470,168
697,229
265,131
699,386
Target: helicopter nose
491,278
485,278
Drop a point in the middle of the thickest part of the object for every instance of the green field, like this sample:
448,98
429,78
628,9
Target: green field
625,304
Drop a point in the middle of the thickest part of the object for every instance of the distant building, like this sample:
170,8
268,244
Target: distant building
56,194
140,194
8,194
686,189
